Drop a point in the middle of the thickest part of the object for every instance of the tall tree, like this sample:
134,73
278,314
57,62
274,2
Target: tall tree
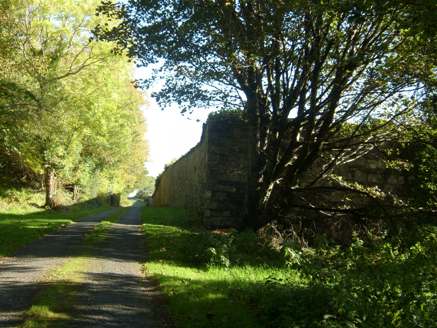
82,112
300,69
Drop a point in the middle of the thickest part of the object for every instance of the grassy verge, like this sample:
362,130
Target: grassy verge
198,295
230,279
59,293
22,225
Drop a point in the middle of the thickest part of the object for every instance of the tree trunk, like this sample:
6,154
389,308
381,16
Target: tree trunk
75,193
251,210
50,186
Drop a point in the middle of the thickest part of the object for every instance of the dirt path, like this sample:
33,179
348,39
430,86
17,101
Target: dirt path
112,292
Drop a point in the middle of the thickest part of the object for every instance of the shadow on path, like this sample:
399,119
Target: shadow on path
112,292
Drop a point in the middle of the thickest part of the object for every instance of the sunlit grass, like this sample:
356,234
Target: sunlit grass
22,225
98,234
205,295
40,316
325,286
59,293
57,297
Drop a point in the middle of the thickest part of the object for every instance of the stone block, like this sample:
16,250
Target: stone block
213,222
360,176
396,179
228,222
226,188
222,214
360,162
344,167
219,196
237,176
211,205
375,178
211,183
387,188
373,164
337,196
382,165
347,176
221,177
213,166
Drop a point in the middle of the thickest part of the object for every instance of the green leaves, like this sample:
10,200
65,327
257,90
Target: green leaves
67,101
300,70
377,286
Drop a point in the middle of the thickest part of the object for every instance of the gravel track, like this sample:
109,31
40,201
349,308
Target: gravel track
112,291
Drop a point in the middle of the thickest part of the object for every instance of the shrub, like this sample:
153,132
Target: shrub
382,286
226,249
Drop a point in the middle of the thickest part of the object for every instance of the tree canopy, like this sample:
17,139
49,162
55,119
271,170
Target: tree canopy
301,70
70,114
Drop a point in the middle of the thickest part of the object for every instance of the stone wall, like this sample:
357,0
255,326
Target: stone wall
211,178
184,182
226,177
344,188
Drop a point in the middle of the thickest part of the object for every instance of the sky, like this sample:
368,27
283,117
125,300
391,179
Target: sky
170,135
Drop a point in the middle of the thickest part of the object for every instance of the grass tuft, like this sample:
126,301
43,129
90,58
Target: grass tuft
57,297
98,234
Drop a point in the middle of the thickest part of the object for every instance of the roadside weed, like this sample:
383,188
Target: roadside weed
230,279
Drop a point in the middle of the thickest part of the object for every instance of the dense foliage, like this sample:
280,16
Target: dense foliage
69,114
387,281
300,69
417,155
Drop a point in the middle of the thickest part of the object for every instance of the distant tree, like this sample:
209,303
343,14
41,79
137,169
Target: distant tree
174,160
300,69
149,186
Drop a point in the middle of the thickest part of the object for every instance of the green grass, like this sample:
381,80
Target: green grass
198,295
22,225
60,288
57,297
98,234
230,279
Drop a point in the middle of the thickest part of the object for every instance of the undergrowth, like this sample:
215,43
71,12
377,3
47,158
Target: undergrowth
225,278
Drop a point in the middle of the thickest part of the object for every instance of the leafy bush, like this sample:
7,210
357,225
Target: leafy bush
208,248
226,249
382,286
389,281
288,303
225,113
